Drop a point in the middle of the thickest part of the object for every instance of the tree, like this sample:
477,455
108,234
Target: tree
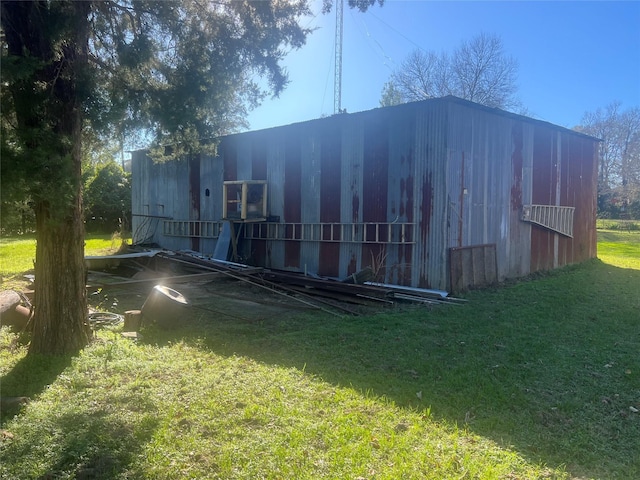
71,71
107,199
181,70
391,95
619,167
478,70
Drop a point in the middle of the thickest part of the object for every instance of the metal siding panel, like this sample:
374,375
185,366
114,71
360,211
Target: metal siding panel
541,238
400,194
310,192
194,197
259,154
330,192
229,152
292,194
565,244
244,156
431,196
139,194
211,179
581,187
476,217
271,254
352,146
375,183
487,159
519,238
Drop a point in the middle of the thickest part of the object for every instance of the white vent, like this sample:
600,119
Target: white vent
558,219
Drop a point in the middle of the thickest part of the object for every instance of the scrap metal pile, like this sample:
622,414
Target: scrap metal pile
352,295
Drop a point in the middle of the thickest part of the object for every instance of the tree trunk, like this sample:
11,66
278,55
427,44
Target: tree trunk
48,109
60,321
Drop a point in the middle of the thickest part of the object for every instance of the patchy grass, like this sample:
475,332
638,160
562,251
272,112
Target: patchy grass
179,410
536,379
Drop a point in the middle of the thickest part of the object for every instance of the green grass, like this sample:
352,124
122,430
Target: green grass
614,224
536,379
17,254
620,248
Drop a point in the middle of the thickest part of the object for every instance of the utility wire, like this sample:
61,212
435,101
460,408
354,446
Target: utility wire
381,52
397,31
326,83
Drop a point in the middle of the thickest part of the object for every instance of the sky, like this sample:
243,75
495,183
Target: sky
573,57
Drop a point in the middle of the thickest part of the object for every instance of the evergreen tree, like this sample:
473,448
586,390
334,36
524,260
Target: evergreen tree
179,71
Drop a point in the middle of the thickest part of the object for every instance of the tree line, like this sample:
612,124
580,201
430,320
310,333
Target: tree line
106,196
618,129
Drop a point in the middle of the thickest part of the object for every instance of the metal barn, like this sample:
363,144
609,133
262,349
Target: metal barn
442,193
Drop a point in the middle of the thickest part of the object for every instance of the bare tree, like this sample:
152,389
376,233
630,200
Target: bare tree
478,70
483,73
619,165
422,75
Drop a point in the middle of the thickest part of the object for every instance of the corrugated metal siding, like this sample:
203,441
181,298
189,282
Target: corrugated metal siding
330,193
431,204
457,171
162,190
487,185
310,200
544,167
401,131
194,197
292,187
352,154
515,192
375,177
564,174
211,173
581,184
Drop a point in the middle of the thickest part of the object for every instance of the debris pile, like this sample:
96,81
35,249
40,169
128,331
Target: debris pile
351,296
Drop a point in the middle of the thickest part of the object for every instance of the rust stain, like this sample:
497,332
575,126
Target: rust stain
353,265
516,164
403,188
292,197
194,191
229,152
410,199
461,203
355,207
427,207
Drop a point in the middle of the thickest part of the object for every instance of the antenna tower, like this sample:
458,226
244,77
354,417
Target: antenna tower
337,84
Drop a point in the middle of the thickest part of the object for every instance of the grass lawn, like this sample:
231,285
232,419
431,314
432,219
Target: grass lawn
535,379
17,255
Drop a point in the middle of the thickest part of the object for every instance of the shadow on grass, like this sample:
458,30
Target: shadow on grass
92,439
89,445
547,367
28,378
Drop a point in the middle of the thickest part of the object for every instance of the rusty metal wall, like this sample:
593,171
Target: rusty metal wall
489,158
564,173
459,172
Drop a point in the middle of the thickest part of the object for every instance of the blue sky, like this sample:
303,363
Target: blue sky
573,56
